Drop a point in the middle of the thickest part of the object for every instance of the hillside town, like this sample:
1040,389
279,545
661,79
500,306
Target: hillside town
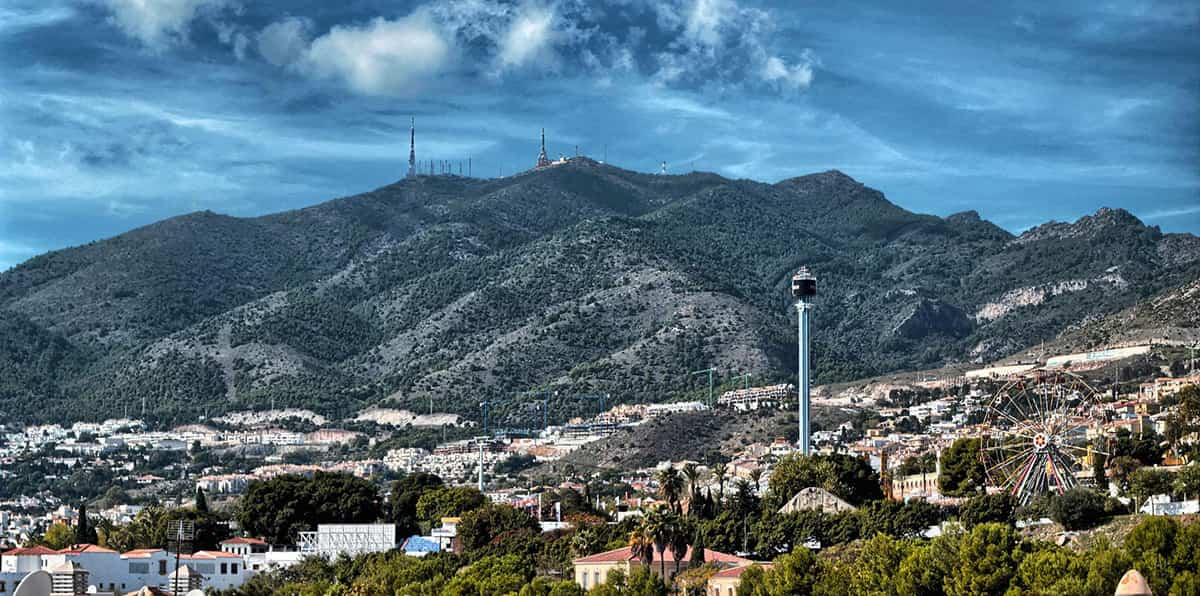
915,425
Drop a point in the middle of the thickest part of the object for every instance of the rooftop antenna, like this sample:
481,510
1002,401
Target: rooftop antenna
180,533
664,169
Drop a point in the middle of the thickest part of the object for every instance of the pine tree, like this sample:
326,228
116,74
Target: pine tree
84,532
201,501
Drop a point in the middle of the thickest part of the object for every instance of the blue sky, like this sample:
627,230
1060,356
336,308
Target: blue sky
117,113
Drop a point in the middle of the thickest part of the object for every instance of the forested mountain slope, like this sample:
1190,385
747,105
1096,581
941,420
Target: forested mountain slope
581,277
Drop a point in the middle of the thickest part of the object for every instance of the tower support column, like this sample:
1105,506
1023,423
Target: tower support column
802,388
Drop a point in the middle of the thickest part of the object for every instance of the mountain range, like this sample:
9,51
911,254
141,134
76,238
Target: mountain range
582,278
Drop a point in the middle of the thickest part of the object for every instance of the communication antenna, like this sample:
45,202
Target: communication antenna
664,169
468,167
180,534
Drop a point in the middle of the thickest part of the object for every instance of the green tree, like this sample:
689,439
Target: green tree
1148,482
482,525
986,563
963,471
924,571
1187,481
448,502
988,508
752,582
670,486
201,501
794,573
58,536
1155,534
280,508
850,478
644,582
877,563
85,533
1077,509
900,520
1051,571
1105,566
490,576
401,508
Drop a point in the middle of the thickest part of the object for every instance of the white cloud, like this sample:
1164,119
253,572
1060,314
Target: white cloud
156,23
284,42
704,20
796,76
381,58
527,38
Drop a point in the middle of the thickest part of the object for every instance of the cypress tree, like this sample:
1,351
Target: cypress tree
84,532
201,501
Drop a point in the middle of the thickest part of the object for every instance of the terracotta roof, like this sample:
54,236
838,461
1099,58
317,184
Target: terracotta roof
626,554
141,553
76,549
734,572
35,550
244,541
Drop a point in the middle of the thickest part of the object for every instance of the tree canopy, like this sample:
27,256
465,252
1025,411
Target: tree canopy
280,508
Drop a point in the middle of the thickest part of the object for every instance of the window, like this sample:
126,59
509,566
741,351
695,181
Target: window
224,569
162,567
3,587
139,568
233,568
596,578
583,580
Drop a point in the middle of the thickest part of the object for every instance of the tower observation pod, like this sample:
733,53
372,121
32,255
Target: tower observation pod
804,290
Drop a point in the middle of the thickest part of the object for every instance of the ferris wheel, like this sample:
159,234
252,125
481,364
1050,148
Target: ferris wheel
1037,434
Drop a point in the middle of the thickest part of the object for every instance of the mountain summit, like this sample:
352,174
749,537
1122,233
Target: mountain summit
582,276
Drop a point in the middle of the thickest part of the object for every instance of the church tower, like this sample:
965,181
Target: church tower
542,160
412,149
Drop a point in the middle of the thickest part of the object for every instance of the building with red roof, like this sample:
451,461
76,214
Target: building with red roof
592,570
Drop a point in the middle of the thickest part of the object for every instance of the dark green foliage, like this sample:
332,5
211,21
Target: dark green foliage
963,471
1078,508
201,501
988,508
850,478
482,525
900,520
401,506
515,463
280,508
85,532
435,504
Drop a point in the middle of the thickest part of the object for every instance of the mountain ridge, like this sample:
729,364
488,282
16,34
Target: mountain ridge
582,276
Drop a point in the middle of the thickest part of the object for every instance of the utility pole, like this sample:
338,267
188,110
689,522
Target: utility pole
711,372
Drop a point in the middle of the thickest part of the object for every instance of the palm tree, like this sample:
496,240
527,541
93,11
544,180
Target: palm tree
692,474
641,542
719,471
670,487
756,476
678,537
